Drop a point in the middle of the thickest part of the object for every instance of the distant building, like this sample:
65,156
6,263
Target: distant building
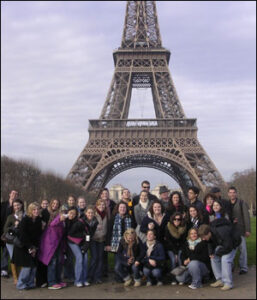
115,192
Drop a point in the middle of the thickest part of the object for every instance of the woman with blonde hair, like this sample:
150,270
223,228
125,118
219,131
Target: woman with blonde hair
30,229
128,258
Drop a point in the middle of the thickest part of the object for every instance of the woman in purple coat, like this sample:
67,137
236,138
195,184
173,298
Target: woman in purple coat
51,248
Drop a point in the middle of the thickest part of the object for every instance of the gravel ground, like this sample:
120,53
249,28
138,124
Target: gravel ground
244,288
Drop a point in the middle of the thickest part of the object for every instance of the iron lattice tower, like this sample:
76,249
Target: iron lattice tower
169,142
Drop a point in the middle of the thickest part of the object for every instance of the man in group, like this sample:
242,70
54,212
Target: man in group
145,185
239,215
164,197
192,195
6,210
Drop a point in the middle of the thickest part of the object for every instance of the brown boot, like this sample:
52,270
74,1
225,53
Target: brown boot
14,273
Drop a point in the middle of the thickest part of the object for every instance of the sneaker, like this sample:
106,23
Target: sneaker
181,283
149,283
55,287
242,272
159,283
4,274
217,283
128,282
193,287
226,288
86,283
173,283
137,283
63,284
79,285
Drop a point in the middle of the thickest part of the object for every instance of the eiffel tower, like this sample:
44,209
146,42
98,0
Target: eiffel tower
169,142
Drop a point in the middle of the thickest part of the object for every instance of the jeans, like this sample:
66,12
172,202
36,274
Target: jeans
95,270
54,269
124,270
68,267
80,264
243,255
152,273
222,267
172,258
26,278
4,259
10,249
105,263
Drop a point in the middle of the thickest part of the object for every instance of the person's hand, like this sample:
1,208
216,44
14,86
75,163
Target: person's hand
211,256
151,226
62,217
137,263
186,261
16,223
152,262
107,248
247,234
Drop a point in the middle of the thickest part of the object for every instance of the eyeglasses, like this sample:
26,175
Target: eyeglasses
146,187
177,219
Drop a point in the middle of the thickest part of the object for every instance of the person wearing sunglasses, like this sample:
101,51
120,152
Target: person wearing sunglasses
145,186
174,239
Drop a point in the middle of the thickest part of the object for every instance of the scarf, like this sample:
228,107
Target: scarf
53,215
195,222
102,214
117,230
176,232
192,244
208,208
150,245
144,204
19,215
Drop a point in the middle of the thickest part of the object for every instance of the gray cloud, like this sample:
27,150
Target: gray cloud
57,67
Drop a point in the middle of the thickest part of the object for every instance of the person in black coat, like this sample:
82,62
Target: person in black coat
175,237
195,218
30,230
155,219
195,257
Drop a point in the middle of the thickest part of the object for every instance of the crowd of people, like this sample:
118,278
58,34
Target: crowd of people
188,241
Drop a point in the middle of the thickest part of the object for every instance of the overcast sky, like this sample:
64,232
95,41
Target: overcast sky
57,67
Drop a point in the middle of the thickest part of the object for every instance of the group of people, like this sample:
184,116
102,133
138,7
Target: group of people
190,241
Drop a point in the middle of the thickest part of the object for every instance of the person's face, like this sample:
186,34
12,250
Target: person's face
72,214
193,235
150,236
71,201
175,199
105,195
192,212
232,194
165,195
177,221
90,214
17,207
122,209
146,187
209,201
55,205
131,236
191,195
101,206
216,207
157,208
35,212
44,204
13,195
126,194
144,197
81,203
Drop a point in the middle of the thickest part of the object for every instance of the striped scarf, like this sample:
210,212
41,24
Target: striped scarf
117,232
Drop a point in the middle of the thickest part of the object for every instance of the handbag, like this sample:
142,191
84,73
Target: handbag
178,270
9,236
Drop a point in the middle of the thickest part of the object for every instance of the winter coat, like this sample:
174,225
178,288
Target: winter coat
160,229
52,237
198,204
174,238
221,235
240,211
158,254
140,212
123,249
101,229
200,253
151,197
29,233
